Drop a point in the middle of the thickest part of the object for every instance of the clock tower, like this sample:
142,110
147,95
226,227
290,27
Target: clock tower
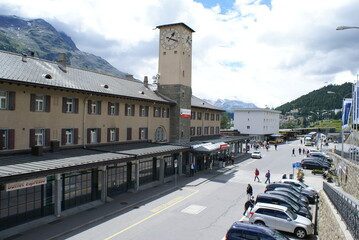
175,76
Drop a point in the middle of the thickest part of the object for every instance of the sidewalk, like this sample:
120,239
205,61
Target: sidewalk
71,220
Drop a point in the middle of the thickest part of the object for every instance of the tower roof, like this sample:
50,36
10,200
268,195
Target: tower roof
174,24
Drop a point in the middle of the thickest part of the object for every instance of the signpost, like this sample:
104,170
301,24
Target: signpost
296,165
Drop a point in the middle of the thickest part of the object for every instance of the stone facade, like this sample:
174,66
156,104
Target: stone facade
348,175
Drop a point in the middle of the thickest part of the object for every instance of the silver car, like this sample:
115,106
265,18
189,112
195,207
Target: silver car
281,218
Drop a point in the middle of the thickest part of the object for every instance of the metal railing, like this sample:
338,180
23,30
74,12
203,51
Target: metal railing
354,158
346,207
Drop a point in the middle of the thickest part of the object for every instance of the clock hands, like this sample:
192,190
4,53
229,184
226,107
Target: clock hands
171,37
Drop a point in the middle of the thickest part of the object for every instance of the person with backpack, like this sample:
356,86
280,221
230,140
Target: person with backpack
268,177
249,191
256,174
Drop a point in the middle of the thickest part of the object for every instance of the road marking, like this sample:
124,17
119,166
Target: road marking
248,162
193,209
158,210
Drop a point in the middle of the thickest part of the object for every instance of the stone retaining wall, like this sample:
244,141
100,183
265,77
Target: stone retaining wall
329,225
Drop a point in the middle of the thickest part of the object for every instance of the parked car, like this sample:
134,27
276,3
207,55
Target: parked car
289,191
311,196
314,164
256,154
291,197
284,201
281,218
321,156
241,230
299,184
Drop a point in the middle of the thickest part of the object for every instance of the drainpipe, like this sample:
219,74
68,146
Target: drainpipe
83,122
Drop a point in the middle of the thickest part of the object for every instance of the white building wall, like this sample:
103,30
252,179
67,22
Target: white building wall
256,121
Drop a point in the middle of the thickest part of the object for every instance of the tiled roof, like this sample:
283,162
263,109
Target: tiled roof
34,71
197,102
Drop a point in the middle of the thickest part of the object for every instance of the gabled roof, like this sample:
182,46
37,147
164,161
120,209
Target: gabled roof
16,68
199,103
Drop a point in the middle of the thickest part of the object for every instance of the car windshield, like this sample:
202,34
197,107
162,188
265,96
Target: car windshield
289,192
291,214
293,204
256,153
278,235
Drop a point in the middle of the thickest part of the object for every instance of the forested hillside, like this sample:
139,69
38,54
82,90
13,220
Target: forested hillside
319,100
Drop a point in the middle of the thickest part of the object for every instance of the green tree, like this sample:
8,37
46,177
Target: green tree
225,121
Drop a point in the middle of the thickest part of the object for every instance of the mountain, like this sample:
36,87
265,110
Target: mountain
38,38
229,105
319,100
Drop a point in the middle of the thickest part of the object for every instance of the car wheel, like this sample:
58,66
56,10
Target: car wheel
300,233
260,223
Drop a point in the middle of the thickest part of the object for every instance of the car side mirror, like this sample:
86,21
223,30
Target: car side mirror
289,219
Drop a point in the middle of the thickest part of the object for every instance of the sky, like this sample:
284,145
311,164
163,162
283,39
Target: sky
266,52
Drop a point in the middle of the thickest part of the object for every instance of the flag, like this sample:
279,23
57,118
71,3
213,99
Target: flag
347,103
355,104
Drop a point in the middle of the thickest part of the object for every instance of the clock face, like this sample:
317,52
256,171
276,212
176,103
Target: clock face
187,41
170,38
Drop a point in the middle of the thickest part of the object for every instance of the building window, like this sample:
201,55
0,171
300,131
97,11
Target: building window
211,130
39,103
165,112
129,134
94,107
143,111
193,131
159,134
93,135
143,134
7,139
7,100
205,131
217,130
39,137
199,116
193,115
70,105
248,127
217,117
206,116
69,136
113,108
129,109
212,116
157,112
199,131
112,134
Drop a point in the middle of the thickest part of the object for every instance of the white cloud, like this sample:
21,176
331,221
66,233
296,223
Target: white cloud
252,52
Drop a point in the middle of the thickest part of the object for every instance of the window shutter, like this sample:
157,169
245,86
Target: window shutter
133,109
32,102
129,133
117,108
88,135
98,135
108,135
99,107
126,107
109,108
47,137
48,103
11,135
64,100
76,107
76,135
2,144
89,102
11,100
32,137
146,133
63,136
117,134
139,133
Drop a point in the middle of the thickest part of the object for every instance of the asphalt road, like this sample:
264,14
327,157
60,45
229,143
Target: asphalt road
203,211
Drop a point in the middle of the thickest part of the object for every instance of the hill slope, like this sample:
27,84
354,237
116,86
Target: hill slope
20,35
319,100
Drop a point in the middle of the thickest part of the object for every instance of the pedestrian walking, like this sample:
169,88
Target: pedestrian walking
192,169
300,151
293,152
268,177
248,204
275,146
249,191
256,174
267,146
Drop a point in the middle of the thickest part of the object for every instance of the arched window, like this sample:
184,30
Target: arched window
160,134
